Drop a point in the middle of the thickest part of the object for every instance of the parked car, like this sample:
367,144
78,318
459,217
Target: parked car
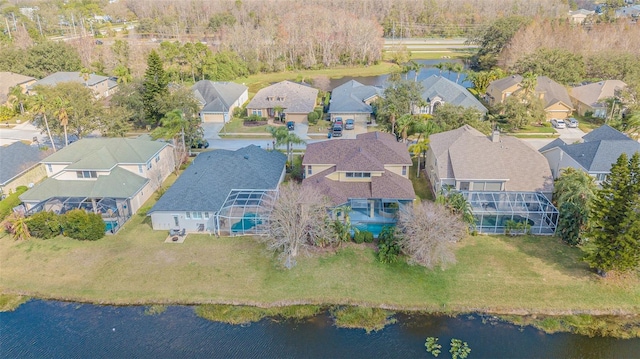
202,143
572,123
338,121
291,125
557,123
337,130
349,124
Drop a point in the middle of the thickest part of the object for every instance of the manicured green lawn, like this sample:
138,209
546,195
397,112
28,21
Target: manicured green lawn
537,129
236,125
135,266
421,184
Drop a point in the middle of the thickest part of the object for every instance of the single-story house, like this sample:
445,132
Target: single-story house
370,174
632,11
219,99
438,90
20,166
580,16
110,176
597,152
353,100
222,192
500,176
102,86
9,80
591,97
555,97
293,99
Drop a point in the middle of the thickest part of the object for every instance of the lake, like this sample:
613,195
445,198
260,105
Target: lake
425,72
50,329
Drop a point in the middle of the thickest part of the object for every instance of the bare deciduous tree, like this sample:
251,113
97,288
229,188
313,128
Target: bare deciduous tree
298,221
427,232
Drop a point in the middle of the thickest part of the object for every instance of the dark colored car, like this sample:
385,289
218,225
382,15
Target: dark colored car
349,124
337,130
291,125
200,144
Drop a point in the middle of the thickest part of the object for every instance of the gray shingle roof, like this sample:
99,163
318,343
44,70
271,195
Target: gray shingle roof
467,154
104,153
293,97
450,92
60,77
593,93
217,96
600,149
9,80
18,158
553,92
350,97
205,184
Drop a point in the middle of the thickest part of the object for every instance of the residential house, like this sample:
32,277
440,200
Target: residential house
632,11
438,90
555,97
9,80
222,192
101,86
591,97
352,100
219,99
370,174
20,166
293,99
110,176
500,176
597,152
580,16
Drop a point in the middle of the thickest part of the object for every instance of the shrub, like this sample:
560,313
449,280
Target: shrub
388,246
313,117
78,224
255,118
362,236
44,225
239,112
296,171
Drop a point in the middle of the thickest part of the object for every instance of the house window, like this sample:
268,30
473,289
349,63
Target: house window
256,112
404,170
49,167
309,171
140,168
87,174
197,215
206,215
157,158
187,215
601,177
464,186
149,165
358,174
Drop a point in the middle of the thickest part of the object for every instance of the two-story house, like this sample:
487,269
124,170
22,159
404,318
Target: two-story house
370,174
110,176
592,97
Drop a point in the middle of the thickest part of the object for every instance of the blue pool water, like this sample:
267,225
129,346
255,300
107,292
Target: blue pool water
110,225
372,227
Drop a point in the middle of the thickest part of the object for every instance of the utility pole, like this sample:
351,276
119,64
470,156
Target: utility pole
73,23
8,29
39,25
15,25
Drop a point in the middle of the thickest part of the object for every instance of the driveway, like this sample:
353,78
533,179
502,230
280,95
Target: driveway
570,133
301,130
211,130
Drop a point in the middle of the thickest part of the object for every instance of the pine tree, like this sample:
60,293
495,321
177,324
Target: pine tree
615,220
155,85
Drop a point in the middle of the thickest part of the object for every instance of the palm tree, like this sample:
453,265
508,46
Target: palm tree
40,106
283,136
629,124
458,68
528,85
415,67
440,66
404,123
277,111
419,149
62,113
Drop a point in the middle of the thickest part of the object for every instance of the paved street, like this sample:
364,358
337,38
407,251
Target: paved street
20,132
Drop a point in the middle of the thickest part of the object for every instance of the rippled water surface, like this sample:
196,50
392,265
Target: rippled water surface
47,329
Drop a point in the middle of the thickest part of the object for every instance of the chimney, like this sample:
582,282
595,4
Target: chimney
495,136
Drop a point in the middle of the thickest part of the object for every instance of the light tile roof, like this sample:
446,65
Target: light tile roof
9,80
450,92
104,153
17,158
206,183
506,82
217,96
60,77
591,94
553,91
295,98
350,97
582,12
120,183
467,154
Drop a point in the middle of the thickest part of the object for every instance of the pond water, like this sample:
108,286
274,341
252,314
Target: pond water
49,329
428,70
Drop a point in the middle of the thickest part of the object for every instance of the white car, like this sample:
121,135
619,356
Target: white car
558,123
572,123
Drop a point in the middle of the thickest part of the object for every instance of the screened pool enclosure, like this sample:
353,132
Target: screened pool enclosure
493,210
245,212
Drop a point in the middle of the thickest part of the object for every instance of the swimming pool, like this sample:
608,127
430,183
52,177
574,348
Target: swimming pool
373,227
111,226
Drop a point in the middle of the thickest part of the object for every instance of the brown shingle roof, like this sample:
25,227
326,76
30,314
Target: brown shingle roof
593,93
293,97
466,154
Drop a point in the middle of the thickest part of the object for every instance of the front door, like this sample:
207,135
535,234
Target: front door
176,221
